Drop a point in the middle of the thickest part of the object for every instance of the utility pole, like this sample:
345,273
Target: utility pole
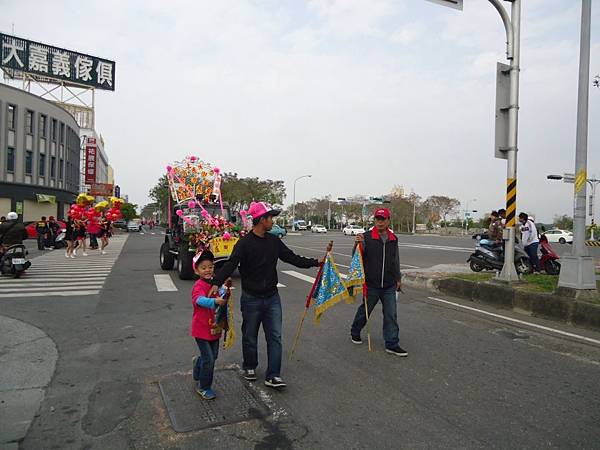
578,271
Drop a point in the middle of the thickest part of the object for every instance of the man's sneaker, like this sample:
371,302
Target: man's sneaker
356,340
397,350
206,394
275,382
250,374
195,369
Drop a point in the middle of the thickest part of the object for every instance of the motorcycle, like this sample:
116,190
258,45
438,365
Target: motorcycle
59,242
14,261
489,255
549,260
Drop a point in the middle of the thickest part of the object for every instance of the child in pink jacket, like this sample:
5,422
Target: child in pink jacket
203,325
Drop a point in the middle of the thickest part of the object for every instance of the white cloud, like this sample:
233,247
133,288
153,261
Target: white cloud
408,33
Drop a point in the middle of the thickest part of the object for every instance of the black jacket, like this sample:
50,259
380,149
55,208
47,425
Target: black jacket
257,257
382,263
12,233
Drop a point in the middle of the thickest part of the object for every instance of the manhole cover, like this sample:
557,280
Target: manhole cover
235,402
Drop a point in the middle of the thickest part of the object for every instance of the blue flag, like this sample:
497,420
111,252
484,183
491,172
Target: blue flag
356,274
330,288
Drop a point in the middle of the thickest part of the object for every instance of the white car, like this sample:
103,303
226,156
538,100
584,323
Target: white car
560,236
353,230
134,226
318,229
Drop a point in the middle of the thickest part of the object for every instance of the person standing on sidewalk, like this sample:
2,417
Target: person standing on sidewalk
529,237
41,228
381,261
257,254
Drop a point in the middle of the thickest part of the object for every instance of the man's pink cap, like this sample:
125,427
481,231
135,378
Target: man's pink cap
258,209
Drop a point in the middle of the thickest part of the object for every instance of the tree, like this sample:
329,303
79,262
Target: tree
240,192
441,206
563,222
129,211
160,194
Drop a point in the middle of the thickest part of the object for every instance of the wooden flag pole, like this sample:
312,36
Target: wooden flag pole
366,308
308,301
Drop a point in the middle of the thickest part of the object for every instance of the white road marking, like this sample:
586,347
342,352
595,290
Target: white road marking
299,275
521,322
164,283
53,294
57,279
279,285
57,288
76,282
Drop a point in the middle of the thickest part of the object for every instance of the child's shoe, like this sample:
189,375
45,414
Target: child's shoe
206,394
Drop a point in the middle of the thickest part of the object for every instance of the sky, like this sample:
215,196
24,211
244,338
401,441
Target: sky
361,94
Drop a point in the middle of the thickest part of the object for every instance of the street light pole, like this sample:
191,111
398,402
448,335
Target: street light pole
467,211
578,271
513,29
294,201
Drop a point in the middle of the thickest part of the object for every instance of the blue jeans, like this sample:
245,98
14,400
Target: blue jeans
390,317
268,312
532,252
205,364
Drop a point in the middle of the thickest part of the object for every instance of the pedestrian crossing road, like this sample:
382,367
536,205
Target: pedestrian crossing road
52,274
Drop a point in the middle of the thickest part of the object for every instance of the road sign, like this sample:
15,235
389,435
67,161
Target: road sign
502,106
455,4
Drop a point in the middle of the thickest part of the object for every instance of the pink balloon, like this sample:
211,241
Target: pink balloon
216,170
226,236
191,204
193,158
179,212
169,168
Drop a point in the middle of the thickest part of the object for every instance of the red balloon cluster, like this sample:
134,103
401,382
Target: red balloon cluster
91,216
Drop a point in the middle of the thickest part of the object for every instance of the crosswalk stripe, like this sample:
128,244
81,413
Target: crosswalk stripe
164,283
44,294
58,288
51,274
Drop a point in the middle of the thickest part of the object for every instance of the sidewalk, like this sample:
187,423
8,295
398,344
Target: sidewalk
27,361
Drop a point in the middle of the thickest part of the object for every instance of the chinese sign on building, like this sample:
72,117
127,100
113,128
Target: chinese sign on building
101,190
90,161
23,56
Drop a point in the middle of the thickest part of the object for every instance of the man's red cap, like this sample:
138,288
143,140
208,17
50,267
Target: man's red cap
384,212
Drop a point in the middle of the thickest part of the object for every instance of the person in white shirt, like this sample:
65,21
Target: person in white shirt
529,237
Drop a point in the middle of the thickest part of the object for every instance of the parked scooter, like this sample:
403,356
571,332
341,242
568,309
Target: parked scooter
59,242
549,260
489,255
14,261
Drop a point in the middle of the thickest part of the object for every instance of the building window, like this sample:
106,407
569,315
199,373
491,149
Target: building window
53,135
10,160
29,122
61,136
42,171
12,113
61,169
28,162
43,126
53,167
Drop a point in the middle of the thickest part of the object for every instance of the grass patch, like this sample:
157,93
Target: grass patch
540,283
474,276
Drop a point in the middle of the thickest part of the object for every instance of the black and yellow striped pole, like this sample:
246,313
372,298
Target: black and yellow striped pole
511,202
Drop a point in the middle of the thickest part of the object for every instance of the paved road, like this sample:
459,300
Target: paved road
470,381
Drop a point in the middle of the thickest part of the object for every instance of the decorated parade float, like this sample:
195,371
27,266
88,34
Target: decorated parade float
198,218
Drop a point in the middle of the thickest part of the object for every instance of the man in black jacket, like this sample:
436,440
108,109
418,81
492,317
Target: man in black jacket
381,262
12,232
257,254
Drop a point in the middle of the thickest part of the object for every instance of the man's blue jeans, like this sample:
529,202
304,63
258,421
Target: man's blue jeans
268,312
532,252
390,317
205,365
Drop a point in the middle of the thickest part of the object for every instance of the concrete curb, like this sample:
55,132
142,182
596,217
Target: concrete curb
28,360
549,306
